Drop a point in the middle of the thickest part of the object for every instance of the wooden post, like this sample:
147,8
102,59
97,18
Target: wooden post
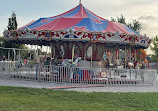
130,53
135,55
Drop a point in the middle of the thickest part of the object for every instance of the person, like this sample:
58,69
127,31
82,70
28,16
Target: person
136,65
107,63
143,66
32,57
3,58
25,61
127,64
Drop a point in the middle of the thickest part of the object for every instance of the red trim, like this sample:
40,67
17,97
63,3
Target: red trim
67,87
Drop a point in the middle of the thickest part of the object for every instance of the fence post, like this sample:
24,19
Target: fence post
70,74
37,71
148,64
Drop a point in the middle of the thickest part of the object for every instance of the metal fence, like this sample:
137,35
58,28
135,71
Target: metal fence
79,74
5,68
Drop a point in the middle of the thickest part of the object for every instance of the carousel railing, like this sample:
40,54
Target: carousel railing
78,74
113,76
84,75
4,69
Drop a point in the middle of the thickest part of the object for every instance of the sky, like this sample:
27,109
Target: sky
145,11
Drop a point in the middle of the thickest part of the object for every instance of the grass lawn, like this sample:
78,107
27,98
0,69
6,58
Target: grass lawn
27,99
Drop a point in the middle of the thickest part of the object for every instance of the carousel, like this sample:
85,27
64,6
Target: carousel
80,38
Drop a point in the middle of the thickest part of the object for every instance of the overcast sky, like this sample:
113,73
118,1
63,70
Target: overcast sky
146,11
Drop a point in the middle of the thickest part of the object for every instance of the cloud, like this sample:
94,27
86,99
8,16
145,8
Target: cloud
149,29
144,17
21,21
149,25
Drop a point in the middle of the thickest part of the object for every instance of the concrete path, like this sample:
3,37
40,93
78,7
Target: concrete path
77,87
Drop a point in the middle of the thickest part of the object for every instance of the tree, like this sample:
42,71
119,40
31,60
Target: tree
6,44
135,24
119,19
24,53
154,48
12,23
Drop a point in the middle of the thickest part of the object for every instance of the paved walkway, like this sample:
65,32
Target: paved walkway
77,87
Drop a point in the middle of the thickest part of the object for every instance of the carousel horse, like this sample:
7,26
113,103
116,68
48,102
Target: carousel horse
130,65
68,62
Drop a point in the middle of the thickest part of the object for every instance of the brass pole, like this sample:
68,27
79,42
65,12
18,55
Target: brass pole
91,56
125,57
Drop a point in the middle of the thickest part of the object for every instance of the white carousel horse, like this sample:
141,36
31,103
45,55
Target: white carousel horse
130,64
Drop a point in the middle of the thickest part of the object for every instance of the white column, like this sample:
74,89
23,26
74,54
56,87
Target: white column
54,51
51,54
73,48
125,56
8,54
37,50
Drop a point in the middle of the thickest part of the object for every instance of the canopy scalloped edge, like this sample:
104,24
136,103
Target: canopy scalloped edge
71,35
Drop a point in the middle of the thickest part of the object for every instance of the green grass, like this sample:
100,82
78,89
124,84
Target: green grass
27,99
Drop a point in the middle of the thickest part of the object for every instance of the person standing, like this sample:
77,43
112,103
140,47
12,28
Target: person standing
3,58
107,63
136,65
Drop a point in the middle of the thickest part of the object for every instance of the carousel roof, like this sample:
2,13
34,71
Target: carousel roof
79,18
77,24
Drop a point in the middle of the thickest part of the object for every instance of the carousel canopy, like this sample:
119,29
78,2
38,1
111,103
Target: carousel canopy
79,25
79,18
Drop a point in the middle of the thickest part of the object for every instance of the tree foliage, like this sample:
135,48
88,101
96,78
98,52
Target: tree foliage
12,23
6,44
154,48
25,54
135,24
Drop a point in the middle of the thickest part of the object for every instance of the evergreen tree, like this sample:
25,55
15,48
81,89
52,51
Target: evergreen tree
135,25
154,48
12,24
